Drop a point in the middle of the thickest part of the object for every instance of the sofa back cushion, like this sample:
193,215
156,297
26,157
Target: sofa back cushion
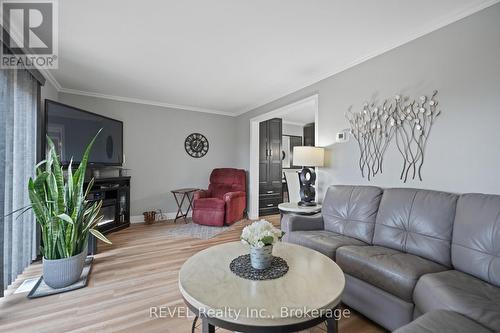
224,180
416,221
351,210
475,246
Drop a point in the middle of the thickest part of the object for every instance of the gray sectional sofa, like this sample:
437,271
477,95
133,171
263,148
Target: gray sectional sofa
411,254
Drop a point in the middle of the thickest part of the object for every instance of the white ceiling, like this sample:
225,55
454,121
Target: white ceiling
229,56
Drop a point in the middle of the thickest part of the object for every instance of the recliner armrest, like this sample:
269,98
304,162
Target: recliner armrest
201,194
294,222
236,203
234,195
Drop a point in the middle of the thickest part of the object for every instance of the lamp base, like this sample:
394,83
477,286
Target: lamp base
307,204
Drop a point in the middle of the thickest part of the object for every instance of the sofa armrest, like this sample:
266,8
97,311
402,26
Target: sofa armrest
201,194
294,222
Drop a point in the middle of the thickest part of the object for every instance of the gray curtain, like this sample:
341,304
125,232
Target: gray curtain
18,123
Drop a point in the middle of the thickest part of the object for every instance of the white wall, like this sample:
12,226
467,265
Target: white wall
154,148
462,61
48,91
291,129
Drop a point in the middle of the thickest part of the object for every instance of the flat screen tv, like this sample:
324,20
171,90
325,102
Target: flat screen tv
71,129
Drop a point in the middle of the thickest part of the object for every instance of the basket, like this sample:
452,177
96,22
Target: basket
149,217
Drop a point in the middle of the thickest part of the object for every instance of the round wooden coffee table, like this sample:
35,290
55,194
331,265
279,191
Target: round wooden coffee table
305,296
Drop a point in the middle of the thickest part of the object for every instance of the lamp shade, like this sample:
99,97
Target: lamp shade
308,156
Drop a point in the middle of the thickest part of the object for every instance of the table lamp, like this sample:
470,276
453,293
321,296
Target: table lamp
308,157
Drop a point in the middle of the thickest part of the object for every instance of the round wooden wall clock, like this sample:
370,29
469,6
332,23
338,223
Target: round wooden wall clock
196,145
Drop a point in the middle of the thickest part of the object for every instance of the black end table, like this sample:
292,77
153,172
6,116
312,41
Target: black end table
183,193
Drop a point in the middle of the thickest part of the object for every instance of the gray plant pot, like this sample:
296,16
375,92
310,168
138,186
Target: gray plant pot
261,258
60,273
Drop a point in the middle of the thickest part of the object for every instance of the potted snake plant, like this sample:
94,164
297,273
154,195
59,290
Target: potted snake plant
65,216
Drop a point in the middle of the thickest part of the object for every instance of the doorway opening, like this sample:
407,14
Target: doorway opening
293,115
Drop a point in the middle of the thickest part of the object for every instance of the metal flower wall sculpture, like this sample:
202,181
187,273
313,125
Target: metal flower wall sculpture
408,123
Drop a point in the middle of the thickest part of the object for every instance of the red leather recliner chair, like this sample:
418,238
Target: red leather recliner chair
225,200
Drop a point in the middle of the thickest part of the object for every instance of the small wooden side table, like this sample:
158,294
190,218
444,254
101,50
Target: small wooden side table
183,193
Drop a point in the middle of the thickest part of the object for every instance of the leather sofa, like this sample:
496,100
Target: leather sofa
443,321
224,202
411,254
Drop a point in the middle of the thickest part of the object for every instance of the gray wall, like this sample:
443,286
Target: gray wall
462,61
154,148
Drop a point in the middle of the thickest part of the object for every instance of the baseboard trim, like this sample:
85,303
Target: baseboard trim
164,216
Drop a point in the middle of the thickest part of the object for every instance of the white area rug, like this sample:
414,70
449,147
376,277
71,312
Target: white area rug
194,230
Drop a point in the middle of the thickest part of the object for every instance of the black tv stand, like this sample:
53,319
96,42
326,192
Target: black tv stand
115,195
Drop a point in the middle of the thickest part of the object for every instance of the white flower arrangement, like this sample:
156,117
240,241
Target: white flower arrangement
261,233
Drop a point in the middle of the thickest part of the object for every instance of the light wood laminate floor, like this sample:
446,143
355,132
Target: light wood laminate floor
137,272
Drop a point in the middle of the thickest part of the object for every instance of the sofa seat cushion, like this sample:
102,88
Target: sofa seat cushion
209,203
442,321
322,241
388,269
462,293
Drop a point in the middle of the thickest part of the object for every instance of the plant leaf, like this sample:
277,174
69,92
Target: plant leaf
89,187
58,176
97,234
17,210
48,160
24,211
91,219
40,182
39,164
69,242
267,240
81,176
69,187
38,207
52,190
66,218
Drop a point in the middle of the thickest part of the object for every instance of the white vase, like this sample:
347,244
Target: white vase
261,257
